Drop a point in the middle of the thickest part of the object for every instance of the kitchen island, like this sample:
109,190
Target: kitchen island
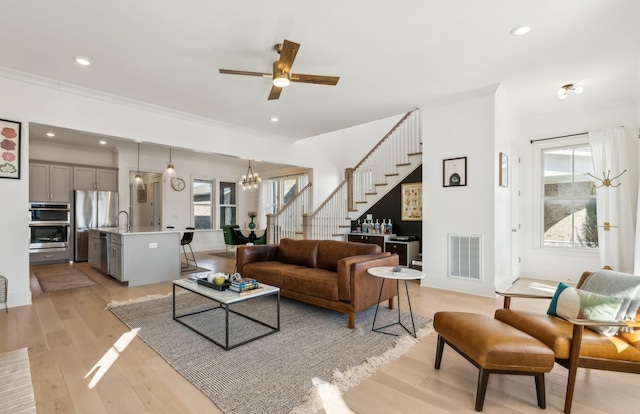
136,256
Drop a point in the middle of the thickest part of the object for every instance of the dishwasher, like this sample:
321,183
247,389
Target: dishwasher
104,253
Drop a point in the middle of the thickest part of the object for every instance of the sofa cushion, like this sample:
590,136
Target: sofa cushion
330,251
268,272
318,283
572,303
298,252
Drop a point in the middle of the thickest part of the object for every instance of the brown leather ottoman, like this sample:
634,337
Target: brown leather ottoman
494,347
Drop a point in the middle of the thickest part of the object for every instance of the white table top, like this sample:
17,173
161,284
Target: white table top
388,273
223,296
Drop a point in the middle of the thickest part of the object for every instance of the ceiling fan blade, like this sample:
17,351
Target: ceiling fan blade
275,93
244,72
287,55
317,79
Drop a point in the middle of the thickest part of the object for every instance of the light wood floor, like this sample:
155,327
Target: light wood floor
67,332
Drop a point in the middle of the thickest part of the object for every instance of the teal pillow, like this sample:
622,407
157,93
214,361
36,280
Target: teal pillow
572,303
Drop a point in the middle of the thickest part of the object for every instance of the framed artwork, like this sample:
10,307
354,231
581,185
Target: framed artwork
503,170
9,149
454,172
411,202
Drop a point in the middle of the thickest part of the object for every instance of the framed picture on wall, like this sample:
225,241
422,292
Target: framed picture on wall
454,172
503,170
9,149
411,202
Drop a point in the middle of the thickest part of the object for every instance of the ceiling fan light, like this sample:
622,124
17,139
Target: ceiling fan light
281,80
562,91
578,90
563,96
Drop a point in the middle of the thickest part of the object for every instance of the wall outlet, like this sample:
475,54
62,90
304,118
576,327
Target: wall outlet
153,245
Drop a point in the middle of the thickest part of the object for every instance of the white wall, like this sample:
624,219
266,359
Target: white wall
451,130
504,132
564,264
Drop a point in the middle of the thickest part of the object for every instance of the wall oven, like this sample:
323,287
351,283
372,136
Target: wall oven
49,226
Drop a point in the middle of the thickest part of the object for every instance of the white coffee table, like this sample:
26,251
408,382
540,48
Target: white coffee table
386,272
225,299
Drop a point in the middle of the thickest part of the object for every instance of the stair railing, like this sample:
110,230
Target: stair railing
288,222
331,218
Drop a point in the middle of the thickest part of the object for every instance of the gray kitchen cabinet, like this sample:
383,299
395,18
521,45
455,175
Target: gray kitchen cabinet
116,253
49,182
89,178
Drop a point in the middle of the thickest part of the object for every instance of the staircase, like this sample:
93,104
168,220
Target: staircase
390,161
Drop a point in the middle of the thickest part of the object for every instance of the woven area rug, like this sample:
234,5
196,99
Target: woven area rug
63,279
273,374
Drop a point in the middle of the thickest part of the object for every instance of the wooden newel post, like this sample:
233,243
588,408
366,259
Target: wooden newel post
348,175
271,236
306,226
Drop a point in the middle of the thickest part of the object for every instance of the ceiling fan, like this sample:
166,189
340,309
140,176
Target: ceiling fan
282,76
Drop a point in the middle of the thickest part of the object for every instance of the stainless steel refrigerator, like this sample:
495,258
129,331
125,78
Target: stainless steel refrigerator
92,209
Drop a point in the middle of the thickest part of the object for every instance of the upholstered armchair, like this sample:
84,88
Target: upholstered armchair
231,237
574,346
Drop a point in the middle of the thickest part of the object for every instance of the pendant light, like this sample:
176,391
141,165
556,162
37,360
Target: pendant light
170,171
137,181
250,179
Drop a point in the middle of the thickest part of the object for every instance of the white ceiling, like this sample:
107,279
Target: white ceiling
390,56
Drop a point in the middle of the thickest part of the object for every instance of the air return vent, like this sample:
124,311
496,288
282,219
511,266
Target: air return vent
464,256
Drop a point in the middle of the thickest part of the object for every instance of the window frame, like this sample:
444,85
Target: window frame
301,181
214,217
538,190
220,205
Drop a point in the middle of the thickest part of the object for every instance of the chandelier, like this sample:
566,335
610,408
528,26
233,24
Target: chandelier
250,179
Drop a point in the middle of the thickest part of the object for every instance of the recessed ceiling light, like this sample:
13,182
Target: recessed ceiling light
521,30
274,119
51,134
83,61
103,142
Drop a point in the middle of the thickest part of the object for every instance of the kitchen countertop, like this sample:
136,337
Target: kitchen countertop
135,230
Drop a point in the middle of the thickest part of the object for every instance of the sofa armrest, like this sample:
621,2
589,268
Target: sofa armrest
365,288
259,253
345,271
527,295
587,322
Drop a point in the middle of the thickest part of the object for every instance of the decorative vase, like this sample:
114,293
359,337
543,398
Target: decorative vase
252,225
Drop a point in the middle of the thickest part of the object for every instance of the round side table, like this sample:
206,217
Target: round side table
386,272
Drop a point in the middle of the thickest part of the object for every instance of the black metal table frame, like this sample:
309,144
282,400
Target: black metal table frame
399,322
224,306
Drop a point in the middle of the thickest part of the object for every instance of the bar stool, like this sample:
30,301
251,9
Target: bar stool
186,240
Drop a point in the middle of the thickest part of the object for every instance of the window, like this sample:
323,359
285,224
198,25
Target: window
227,204
203,204
282,190
568,197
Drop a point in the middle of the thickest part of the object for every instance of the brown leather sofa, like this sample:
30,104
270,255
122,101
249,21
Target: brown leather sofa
327,273
575,347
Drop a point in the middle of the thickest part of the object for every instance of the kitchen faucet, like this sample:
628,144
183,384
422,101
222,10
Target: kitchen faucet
118,217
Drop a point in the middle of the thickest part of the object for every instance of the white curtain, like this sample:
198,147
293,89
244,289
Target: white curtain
609,153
